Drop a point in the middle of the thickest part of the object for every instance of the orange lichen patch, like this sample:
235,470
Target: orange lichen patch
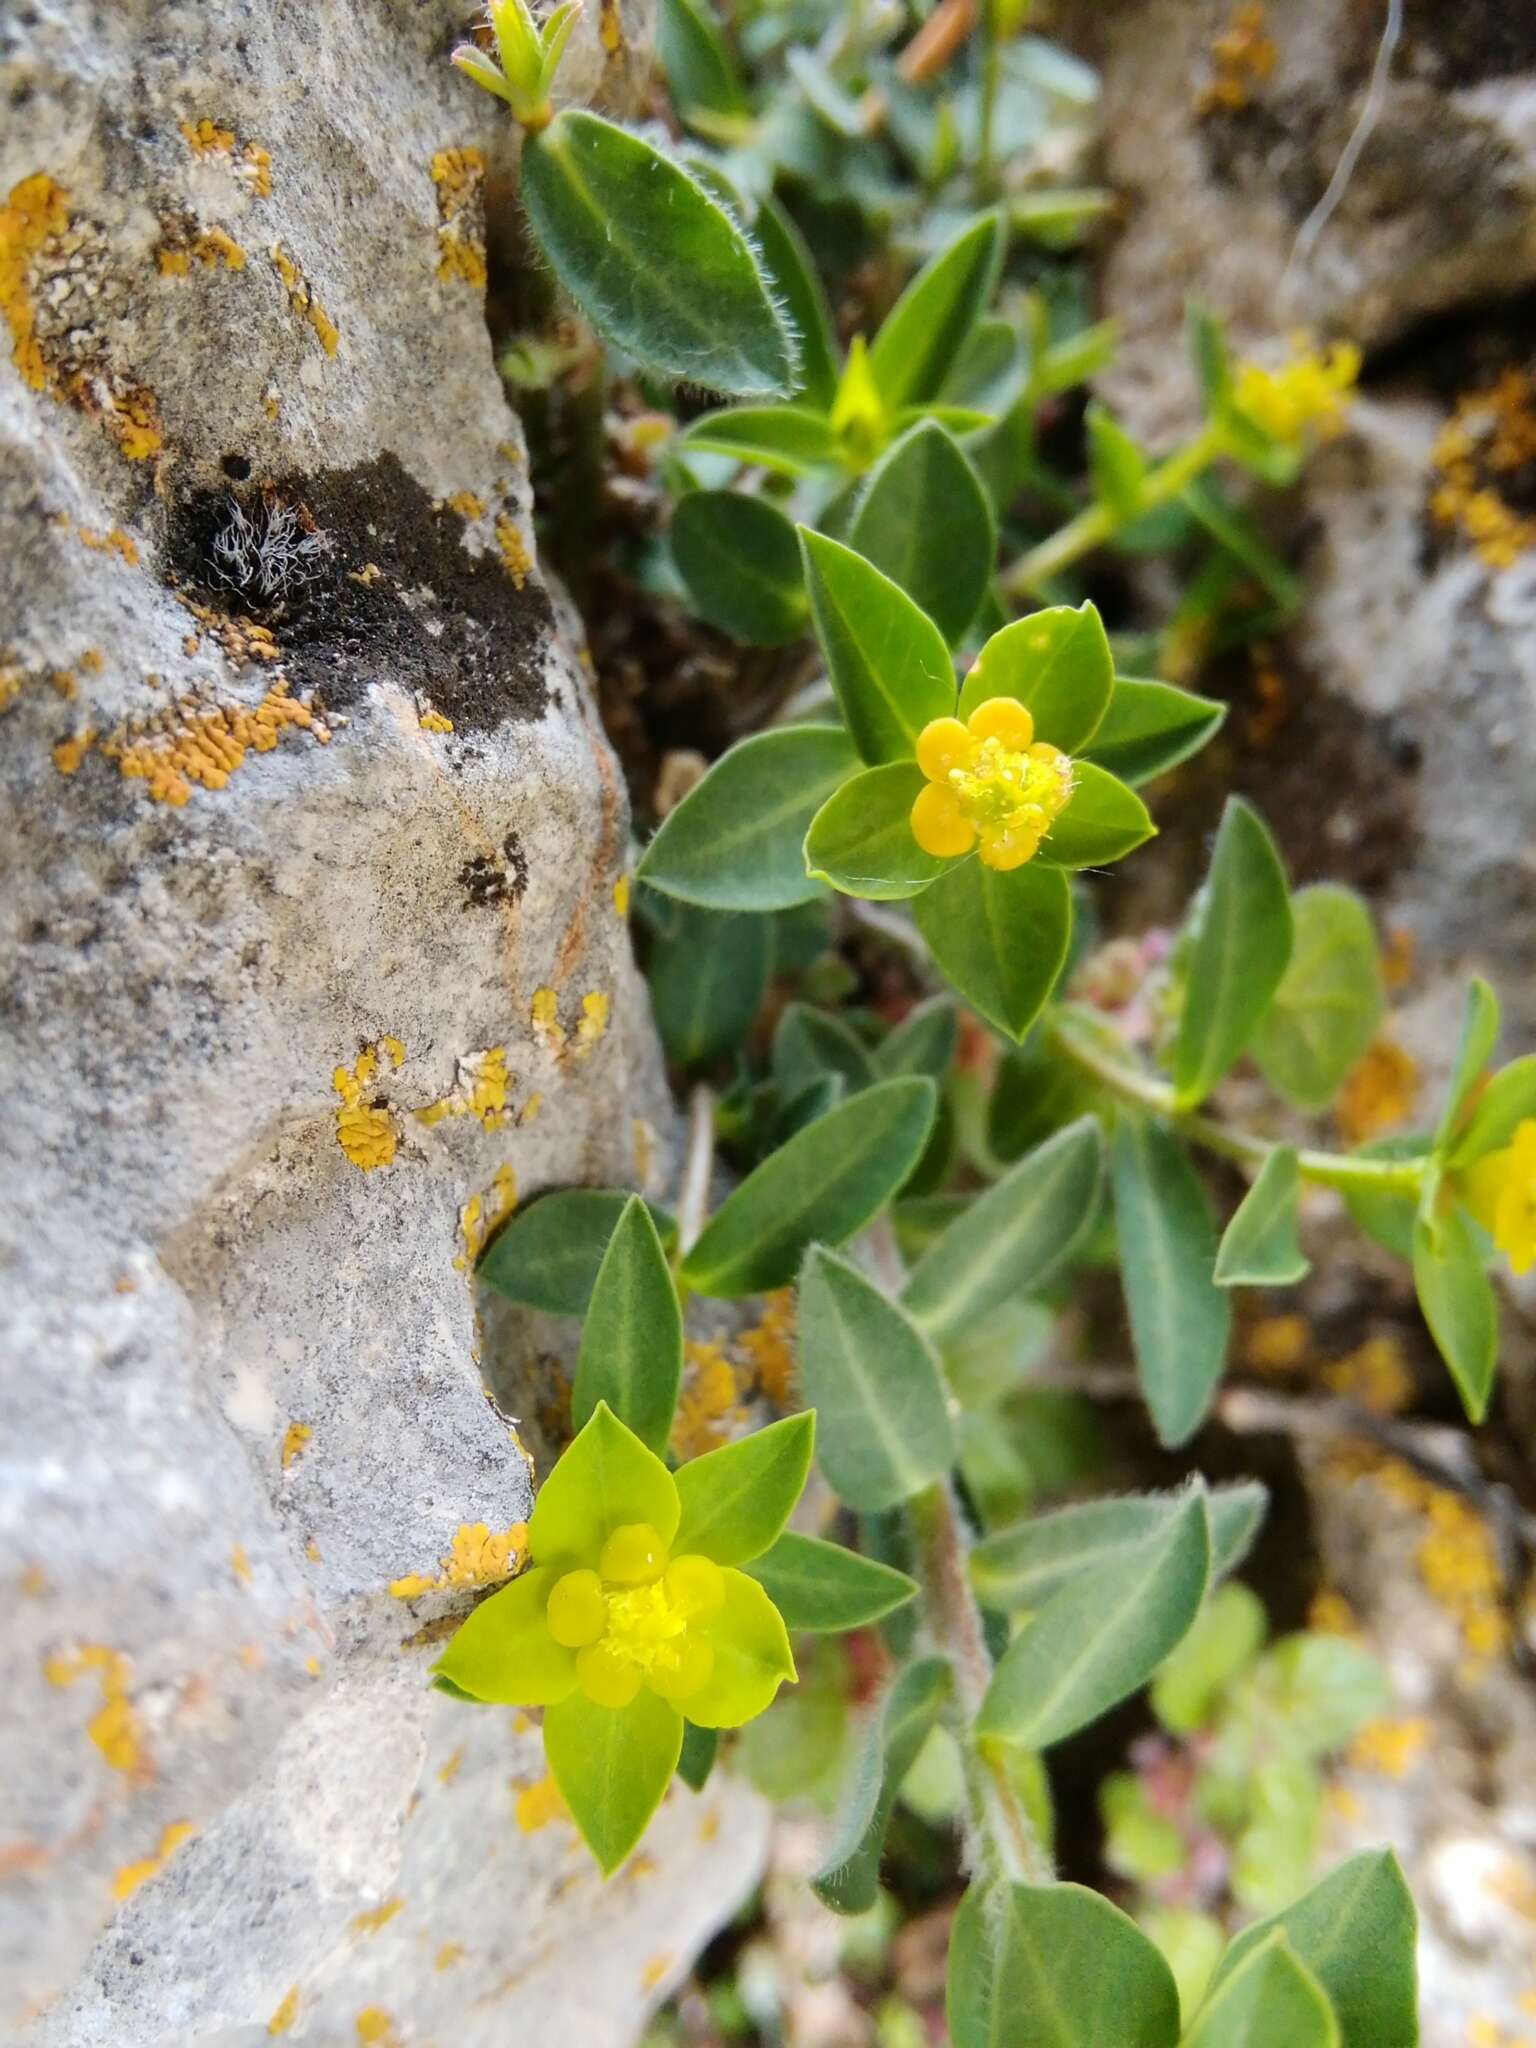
35,210
286,2013
708,1403
241,639
302,299
467,505
482,1093
367,576
312,1551
1242,57
1380,1091
434,721
179,248
252,164
364,1131
530,1109
452,1767
655,1969
459,175
1277,1344
538,1804
483,1215
133,421
116,1729
1330,1614
113,542
595,1009
376,2028
205,138
62,683
450,1953
770,1350
33,1582
1376,1375
621,896
478,1557
1399,955
240,1564
295,1437
514,549
1389,1747
199,740
68,754
1485,457
1457,1558
544,1012
130,1876
709,1826
379,1916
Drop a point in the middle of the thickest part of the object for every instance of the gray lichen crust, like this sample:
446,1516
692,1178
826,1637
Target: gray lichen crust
314,961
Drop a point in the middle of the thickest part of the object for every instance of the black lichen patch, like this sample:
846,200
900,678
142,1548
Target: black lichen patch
391,595
488,879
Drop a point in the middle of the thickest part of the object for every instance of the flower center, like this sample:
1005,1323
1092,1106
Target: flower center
637,1619
1004,786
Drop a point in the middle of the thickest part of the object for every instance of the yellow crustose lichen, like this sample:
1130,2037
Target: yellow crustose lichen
1487,446
992,786
364,1131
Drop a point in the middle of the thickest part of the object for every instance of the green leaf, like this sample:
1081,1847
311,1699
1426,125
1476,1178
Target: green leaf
811,1043
605,1480
740,562
825,1183
632,1341
1322,1689
736,1500
792,273
1479,1030
790,438
652,261
1329,1001
876,1384
1180,1319
1010,1239
861,839
1227,1636
736,841
1357,1933
1055,662
849,1876
1213,364
1023,1567
1508,1101
1103,822
924,331
549,1254
1458,1304
504,1653
1271,2000
923,1042
886,659
1055,1966
1000,939
1152,727
613,1766
701,75
1241,946
821,1588
925,521
1259,1247
697,1760
1115,463
1387,1217
708,973
1101,1637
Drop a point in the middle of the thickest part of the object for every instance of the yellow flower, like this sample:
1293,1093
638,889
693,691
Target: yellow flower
1310,391
991,786
1500,1190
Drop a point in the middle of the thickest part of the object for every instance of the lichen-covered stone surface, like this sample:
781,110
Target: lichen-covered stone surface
314,961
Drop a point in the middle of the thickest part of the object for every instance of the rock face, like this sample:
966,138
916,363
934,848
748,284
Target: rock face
315,959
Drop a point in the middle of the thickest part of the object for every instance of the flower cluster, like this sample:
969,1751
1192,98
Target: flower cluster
1308,393
1500,1191
991,786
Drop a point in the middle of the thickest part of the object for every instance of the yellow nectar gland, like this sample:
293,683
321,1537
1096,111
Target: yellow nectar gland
991,785
1500,1190
630,1622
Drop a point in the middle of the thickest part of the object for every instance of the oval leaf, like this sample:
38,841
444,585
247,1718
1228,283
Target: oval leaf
924,332
923,1042
652,261
1271,2000
1055,662
1102,1636
707,974
1259,1247
849,1877
1152,727
821,1588
700,73
1001,939
1457,1301
549,1254
1241,947
736,1500
925,520
736,841
1012,1237
788,438
632,1341
1329,1001
826,1182
613,1767
861,839
740,562
1479,1030
1180,1319
1055,1966
1104,821
886,659
876,1385
810,1044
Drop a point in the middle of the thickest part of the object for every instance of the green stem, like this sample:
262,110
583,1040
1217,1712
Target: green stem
1145,1091
991,78
1096,523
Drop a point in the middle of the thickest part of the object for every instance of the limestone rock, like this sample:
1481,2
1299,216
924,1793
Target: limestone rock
315,958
